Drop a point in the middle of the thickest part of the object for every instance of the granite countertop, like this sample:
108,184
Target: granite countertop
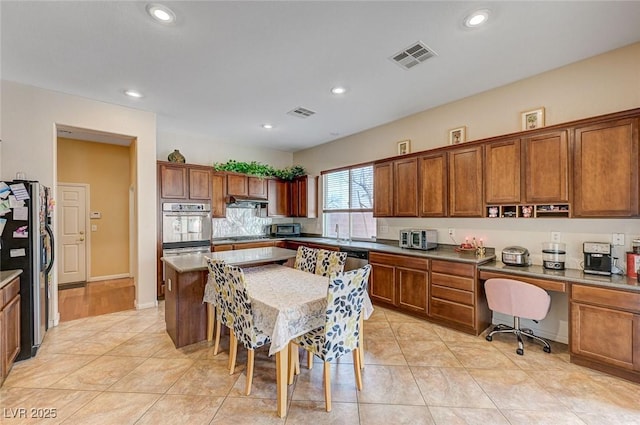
6,276
242,257
567,275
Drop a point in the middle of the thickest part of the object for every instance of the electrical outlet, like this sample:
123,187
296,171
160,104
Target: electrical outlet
617,239
555,236
452,232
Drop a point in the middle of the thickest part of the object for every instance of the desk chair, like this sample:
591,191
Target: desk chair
520,300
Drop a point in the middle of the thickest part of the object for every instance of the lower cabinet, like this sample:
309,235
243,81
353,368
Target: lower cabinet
605,330
9,326
400,281
184,311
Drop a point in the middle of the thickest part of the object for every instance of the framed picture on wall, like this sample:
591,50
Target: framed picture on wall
458,135
404,147
532,119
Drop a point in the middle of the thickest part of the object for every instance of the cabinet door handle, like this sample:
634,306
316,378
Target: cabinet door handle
169,284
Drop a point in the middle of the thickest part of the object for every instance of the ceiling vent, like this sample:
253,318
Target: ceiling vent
413,55
301,112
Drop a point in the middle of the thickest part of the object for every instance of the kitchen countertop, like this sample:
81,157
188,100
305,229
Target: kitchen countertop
567,275
7,276
241,257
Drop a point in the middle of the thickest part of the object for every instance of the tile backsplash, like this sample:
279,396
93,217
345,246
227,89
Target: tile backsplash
240,222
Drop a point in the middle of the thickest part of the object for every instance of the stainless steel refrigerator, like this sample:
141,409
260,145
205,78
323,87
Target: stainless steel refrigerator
26,243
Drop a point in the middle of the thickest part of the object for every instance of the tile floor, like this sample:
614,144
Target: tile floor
122,368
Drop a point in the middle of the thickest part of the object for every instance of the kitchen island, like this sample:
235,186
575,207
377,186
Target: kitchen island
186,277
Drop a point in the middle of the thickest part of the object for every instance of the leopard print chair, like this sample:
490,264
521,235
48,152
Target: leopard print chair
220,298
306,259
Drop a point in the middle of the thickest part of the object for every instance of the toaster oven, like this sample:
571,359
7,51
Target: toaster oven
424,239
286,229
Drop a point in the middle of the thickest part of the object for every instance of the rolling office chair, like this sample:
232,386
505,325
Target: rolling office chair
520,300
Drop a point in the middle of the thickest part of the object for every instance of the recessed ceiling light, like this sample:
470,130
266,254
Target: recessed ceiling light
133,93
267,126
477,18
161,13
338,90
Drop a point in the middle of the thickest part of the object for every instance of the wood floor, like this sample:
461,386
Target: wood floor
96,298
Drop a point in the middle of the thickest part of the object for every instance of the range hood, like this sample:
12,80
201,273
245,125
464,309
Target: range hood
237,201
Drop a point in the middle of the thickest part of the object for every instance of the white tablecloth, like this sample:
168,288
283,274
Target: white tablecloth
288,302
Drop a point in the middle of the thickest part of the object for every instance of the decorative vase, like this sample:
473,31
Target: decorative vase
176,156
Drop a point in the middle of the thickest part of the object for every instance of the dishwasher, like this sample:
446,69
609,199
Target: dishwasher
356,257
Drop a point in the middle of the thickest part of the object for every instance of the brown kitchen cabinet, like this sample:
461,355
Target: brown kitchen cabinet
400,281
184,182
456,299
546,168
237,184
303,192
605,169
184,309
465,182
257,187
278,198
9,326
502,172
396,188
218,195
605,330
433,185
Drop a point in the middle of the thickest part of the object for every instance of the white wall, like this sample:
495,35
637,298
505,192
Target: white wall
29,119
603,84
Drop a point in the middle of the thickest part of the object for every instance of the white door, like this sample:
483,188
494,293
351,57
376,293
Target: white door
72,207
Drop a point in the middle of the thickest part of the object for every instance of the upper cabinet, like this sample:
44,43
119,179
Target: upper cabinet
237,184
257,187
546,168
433,185
605,169
218,195
278,195
186,182
502,172
396,188
465,182
303,192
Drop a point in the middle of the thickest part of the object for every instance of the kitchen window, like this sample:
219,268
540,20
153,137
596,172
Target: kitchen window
348,203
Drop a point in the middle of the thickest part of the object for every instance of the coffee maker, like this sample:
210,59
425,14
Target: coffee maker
597,258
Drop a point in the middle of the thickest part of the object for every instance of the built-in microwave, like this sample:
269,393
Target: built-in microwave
285,229
419,239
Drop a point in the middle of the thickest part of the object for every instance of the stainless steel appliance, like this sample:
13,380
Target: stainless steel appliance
553,255
356,258
283,230
597,258
424,239
516,256
27,244
186,225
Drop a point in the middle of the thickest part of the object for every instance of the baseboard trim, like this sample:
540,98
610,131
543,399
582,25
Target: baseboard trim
110,277
556,336
152,304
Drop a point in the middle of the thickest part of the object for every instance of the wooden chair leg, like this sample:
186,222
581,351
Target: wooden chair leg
356,369
233,352
361,341
327,386
210,321
309,360
291,367
216,345
250,361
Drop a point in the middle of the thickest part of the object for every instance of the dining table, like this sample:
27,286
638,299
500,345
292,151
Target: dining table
287,303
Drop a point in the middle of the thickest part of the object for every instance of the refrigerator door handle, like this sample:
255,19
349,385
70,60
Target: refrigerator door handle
50,233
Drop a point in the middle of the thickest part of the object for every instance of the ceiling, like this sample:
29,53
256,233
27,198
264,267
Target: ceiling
224,68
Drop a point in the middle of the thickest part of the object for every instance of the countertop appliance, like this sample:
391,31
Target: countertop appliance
423,239
597,258
286,229
27,244
516,256
553,255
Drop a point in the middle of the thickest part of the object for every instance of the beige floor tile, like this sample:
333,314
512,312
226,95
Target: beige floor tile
480,356
467,416
182,409
450,387
381,352
95,323
247,411
309,384
141,345
99,374
620,417
205,377
136,323
98,343
113,409
420,331
385,414
153,376
452,335
514,389
31,405
43,371
390,385
195,351
310,412
542,417
396,316
378,330
379,314
428,353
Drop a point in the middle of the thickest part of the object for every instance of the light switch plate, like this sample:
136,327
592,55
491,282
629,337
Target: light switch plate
555,236
617,239
94,227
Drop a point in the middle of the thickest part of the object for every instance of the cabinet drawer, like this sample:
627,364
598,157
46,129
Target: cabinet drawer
451,267
606,297
10,291
450,281
399,261
456,295
454,312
